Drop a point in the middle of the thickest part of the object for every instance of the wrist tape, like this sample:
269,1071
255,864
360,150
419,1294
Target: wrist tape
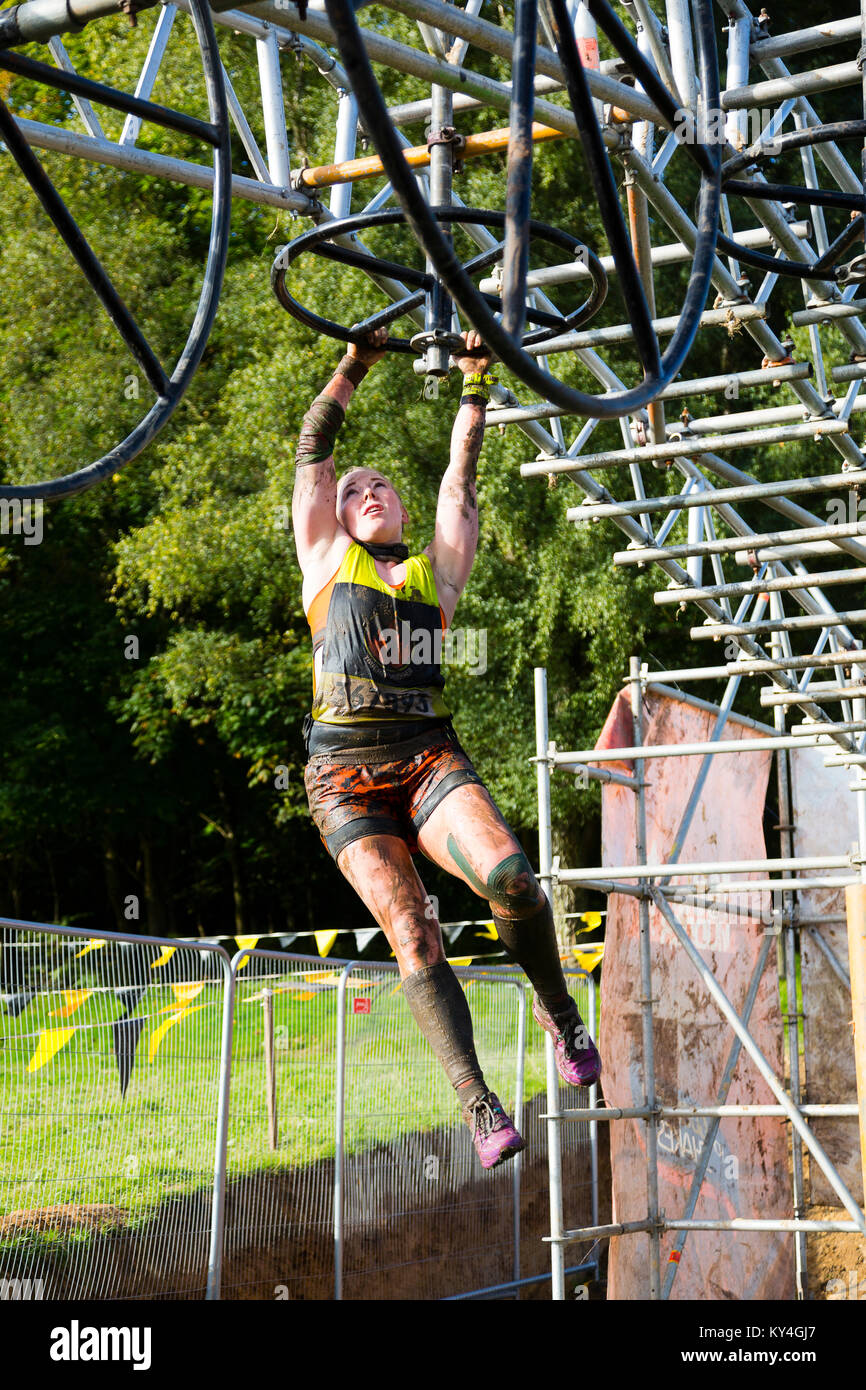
319,431
352,368
476,387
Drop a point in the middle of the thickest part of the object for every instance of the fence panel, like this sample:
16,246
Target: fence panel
279,1216
110,1066
370,1187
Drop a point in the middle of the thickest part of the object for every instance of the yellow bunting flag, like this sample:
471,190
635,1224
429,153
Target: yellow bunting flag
324,941
489,931
588,957
591,921
167,953
50,1041
185,993
92,945
159,1033
74,999
246,943
460,960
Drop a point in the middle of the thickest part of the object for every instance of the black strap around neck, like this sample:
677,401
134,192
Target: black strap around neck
386,550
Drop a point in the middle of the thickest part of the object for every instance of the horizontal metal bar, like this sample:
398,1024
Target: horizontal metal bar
672,253
639,555
709,866
846,726
781,584
666,1112
620,1228
716,631
774,90
804,40
698,386
750,666
609,885
685,448
817,692
643,751
849,371
764,885
416,156
823,313
624,333
742,1223
695,673
140,161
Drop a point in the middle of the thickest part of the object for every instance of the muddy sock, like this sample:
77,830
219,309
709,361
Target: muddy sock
439,1007
531,942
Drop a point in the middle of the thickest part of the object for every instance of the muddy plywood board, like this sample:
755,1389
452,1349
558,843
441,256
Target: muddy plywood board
748,1170
825,816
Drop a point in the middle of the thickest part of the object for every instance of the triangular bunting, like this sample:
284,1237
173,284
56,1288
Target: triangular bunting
50,1041
185,992
363,937
588,957
591,920
167,953
129,997
246,943
126,1033
92,945
15,1004
159,1033
489,931
324,941
288,939
74,999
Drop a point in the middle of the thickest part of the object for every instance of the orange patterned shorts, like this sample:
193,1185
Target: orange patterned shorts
350,800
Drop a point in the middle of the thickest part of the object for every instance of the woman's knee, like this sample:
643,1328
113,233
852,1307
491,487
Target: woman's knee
513,886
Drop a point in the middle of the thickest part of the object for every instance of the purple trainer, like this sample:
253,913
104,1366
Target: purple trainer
494,1136
577,1058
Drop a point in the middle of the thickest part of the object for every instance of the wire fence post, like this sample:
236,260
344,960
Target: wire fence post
518,1119
340,1128
215,1256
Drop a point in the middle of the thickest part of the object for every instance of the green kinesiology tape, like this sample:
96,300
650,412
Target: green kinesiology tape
319,431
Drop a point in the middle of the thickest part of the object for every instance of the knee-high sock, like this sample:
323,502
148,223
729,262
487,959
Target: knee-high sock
439,1007
531,942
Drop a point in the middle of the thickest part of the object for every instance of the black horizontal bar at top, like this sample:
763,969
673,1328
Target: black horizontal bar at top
108,96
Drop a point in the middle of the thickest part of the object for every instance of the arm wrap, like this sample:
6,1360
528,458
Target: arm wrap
319,431
353,369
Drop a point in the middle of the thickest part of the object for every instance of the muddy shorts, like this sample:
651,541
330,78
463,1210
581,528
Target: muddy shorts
349,800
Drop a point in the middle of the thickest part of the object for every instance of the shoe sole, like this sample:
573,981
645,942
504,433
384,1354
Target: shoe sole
506,1154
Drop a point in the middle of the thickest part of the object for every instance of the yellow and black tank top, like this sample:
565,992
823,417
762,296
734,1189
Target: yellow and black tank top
380,679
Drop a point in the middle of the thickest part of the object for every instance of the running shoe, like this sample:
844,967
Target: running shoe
577,1058
494,1136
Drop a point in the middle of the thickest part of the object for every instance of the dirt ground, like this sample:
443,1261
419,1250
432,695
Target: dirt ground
835,1260
409,1255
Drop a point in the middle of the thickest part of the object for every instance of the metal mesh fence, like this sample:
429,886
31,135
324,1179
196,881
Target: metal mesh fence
109,1059
361,1107
349,1171
278,1238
